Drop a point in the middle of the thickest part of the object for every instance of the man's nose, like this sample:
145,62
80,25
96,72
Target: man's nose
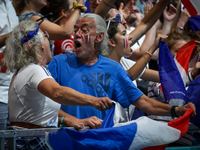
77,33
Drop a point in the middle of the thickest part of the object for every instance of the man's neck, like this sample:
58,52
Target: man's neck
90,60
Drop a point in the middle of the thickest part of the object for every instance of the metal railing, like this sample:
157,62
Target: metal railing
10,135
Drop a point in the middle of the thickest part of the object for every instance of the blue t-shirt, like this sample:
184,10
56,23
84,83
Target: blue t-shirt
105,78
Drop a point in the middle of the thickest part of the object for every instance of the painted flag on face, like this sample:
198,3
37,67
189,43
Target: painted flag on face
87,38
125,42
193,6
171,82
143,133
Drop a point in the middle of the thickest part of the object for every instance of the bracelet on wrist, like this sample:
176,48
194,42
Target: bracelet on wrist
62,122
149,54
173,113
81,7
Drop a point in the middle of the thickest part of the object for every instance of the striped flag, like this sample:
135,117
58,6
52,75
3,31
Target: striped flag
143,133
183,57
193,6
171,82
173,72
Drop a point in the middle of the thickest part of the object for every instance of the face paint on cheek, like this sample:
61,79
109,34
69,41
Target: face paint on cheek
125,42
87,39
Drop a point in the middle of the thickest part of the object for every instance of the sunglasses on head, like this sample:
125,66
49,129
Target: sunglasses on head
117,18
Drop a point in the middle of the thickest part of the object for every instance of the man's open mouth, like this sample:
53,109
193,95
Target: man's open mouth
77,44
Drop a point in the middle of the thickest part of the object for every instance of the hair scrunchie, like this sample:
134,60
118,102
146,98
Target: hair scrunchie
81,7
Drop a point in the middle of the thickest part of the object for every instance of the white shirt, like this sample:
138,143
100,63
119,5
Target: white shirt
127,64
8,22
26,103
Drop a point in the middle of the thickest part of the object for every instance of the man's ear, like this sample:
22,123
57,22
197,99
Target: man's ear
111,42
99,37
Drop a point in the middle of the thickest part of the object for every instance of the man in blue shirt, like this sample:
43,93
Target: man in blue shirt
88,72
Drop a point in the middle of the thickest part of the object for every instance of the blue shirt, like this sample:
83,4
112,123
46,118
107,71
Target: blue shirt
105,78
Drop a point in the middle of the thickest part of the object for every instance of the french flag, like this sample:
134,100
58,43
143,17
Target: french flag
143,133
183,57
171,79
173,72
193,6
172,84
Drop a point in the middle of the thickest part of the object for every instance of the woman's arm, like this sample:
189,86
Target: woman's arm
57,32
139,66
150,75
71,121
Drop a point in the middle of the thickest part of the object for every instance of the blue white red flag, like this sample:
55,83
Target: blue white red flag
170,77
183,58
193,6
143,133
172,84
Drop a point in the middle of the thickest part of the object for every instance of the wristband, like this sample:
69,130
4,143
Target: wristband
61,121
149,54
173,113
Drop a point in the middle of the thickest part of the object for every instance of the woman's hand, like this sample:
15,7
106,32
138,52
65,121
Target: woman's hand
79,124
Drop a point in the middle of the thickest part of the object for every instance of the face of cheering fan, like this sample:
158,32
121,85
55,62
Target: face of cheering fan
84,37
46,46
122,42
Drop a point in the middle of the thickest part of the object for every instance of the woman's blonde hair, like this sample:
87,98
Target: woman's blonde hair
18,54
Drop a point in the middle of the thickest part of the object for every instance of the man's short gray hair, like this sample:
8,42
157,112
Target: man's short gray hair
18,54
100,27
